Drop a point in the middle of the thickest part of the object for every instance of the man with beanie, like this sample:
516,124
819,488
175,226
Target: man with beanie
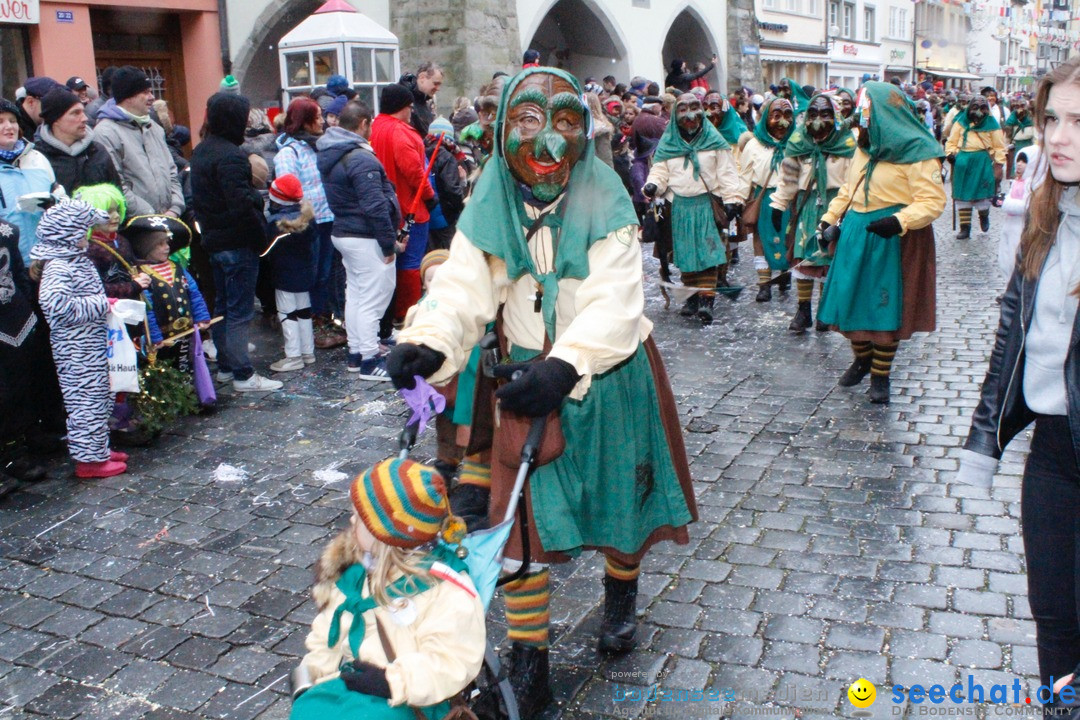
68,143
230,214
366,221
95,106
449,179
401,151
30,105
229,85
138,147
423,86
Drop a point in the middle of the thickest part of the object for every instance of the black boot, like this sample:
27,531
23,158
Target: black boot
447,470
784,284
984,220
529,678
620,615
820,326
470,503
721,277
704,313
855,373
879,389
803,319
8,484
733,257
965,231
23,469
764,293
690,307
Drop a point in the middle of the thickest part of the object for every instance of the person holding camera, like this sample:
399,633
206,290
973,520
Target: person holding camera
881,287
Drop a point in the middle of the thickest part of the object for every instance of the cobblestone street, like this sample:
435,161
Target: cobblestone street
831,544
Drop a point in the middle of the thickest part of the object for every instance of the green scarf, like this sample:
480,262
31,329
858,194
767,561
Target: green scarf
989,124
896,135
731,126
1013,119
673,145
594,204
840,143
798,97
761,132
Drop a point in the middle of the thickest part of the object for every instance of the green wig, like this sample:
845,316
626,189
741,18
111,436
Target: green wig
103,197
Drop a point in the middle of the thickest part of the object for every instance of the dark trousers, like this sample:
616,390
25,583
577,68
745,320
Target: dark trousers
235,272
1050,512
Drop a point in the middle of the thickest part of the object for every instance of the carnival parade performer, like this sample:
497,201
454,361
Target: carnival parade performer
548,244
976,149
1020,130
881,286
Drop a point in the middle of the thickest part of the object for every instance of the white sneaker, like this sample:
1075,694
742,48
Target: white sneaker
308,359
209,350
287,364
224,377
257,383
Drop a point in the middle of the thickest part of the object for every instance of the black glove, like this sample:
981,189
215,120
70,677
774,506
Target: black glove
407,360
951,159
365,678
829,235
733,211
885,227
539,389
777,219
649,190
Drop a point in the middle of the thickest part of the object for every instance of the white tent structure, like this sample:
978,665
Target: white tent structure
337,39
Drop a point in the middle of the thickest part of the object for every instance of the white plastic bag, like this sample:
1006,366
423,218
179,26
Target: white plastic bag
123,359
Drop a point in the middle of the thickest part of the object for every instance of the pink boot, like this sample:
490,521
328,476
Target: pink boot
102,469
118,456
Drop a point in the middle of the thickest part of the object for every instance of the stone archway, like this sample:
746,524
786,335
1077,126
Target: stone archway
577,36
688,39
256,65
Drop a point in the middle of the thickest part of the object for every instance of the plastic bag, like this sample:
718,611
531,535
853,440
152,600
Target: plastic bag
204,385
123,358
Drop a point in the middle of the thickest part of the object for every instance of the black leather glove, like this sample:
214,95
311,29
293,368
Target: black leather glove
885,227
539,389
777,219
829,235
649,190
407,360
365,678
733,211
951,159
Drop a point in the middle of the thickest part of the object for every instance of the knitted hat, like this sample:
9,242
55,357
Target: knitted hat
441,126
394,97
39,86
128,82
401,502
336,84
336,105
229,85
435,257
286,189
6,106
57,102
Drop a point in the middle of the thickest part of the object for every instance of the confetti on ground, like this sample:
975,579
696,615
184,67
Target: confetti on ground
375,407
229,473
329,474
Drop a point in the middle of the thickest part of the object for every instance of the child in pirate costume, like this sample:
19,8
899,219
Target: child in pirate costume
976,150
174,303
816,161
400,628
882,281
692,165
760,174
548,244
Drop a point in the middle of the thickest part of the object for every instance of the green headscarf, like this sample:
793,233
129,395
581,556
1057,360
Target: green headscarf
673,145
989,124
895,134
798,97
841,143
594,204
1021,123
731,126
761,132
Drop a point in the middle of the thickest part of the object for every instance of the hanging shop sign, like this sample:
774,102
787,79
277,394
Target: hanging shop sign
24,12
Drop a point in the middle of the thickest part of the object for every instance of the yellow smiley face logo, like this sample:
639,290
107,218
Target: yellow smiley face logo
862,693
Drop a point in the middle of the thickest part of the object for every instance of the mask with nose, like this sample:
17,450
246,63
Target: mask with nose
846,103
820,119
688,115
715,106
780,118
977,111
784,89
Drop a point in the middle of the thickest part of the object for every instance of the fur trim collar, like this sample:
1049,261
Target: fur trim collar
339,555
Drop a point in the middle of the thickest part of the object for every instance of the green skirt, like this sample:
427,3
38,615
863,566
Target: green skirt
466,388
615,483
332,700
697,242
864,287
772,242
806,237
973,176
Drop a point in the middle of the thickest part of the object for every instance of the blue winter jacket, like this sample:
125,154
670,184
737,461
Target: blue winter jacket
29,173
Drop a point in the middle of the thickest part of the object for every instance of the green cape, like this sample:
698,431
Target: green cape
762,134
798,97
841,142
673,145
1013,119
594,204
895,134
990,124
732,126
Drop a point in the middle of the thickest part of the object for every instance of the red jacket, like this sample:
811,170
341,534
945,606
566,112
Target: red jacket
401,151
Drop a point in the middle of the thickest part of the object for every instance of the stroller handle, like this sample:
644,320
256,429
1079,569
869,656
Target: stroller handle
407,438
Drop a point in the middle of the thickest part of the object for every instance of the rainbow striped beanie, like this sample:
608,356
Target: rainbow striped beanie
402,502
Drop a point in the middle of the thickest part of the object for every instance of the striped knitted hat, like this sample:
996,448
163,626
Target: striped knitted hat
402,502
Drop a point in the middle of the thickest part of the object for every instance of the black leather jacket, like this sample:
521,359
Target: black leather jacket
1002,412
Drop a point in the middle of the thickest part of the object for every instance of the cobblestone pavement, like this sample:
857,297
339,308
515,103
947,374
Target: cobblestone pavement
831,545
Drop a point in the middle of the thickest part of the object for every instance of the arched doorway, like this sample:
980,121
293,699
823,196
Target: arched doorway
688,40
578,37
256,65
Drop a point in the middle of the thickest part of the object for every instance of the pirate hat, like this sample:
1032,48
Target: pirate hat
141,228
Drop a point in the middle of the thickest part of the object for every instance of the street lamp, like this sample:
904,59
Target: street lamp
834,32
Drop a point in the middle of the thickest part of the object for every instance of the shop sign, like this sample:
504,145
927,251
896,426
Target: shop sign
20,11
851,50
750,50
897,54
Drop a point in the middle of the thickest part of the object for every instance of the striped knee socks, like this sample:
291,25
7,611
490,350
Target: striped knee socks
863,349
475,472
614,568
883,359
805,289
527,611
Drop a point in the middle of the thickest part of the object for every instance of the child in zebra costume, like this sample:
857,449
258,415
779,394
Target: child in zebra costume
74,304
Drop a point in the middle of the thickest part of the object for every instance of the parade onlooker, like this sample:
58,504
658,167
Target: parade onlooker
68,142
603,130
23,170
680,76
95,105
423,86
229,211
462,115
448,179
1034,376
138,147
292,237
1015,207
401,151
35,89
111,252
80,87
74,304
366,221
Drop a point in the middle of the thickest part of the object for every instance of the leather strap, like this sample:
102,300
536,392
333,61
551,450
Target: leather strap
391,656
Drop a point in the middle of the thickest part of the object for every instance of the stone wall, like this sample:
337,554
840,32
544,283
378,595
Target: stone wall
744,70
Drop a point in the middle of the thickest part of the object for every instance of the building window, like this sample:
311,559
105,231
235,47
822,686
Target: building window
847,30
868,24
769,4
834,16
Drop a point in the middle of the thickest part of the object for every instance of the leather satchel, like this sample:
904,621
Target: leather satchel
752,210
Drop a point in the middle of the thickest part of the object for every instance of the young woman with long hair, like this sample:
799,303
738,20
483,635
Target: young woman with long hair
1034,376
